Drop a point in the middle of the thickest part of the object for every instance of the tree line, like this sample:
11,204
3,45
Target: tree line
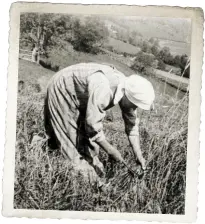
152,55
42,32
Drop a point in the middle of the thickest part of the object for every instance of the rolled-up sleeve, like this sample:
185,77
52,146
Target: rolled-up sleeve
100,96
131,121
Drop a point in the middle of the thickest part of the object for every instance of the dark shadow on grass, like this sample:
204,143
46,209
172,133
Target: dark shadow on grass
49,66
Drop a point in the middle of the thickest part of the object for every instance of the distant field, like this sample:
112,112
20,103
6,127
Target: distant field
176,48
122,47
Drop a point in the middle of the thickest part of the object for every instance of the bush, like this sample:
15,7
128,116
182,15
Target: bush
166,56
155,51
125,54
181,62
110,48
146,47
161,65
88,36
49,65
142,61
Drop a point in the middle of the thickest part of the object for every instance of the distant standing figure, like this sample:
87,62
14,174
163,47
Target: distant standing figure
75,106
21,86
35,54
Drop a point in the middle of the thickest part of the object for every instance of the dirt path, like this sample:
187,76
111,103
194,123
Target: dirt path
174,80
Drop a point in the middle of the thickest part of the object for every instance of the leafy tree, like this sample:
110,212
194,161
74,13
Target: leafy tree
161,65
146,47
166,56
133,35
41,31
143,61
131,40
155,50
163,53
177,60
88,36
183,63
33,31
151,40
156,43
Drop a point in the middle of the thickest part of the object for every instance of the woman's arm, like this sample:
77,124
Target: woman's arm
110,150
132,130
100,97
135,144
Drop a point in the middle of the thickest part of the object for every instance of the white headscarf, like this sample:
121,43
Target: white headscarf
138,90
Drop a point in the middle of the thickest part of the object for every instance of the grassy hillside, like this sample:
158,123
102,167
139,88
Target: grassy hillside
44,180
31,72
121,47
33,78
68,56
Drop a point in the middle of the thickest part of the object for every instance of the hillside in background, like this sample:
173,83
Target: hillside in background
137,42
171,32
174,29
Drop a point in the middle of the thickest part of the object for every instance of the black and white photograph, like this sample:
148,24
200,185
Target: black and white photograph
102,112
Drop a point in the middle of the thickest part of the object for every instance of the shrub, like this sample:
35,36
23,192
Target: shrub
181,62
142,61
155,50
146,47
166,56
125,54
161,65
88,36
46,63
110,48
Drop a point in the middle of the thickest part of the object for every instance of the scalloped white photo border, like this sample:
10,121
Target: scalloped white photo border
196,16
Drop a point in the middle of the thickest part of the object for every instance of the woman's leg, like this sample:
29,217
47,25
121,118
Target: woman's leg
63,116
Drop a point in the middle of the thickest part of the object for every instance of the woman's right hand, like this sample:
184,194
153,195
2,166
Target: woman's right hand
116,155
142,163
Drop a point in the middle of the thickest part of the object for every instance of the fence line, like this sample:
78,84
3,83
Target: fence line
25,50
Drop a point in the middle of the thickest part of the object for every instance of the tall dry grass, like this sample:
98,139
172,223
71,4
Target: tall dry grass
44,180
